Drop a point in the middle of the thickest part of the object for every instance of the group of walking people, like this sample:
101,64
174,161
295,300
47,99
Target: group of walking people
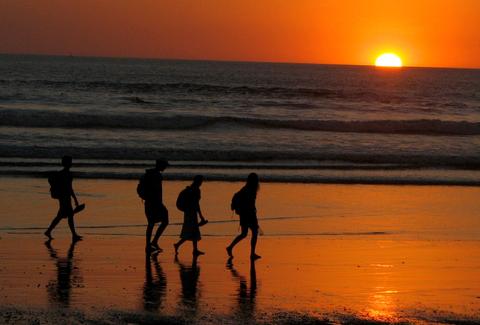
150,190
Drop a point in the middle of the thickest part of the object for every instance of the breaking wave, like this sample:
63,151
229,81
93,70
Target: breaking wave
52,119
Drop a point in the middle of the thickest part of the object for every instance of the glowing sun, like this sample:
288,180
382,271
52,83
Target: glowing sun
388,60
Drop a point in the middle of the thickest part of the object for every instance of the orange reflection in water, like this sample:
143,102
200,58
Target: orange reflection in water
420,255
382,306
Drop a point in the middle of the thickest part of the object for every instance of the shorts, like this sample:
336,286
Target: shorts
156,212
249,221
65,208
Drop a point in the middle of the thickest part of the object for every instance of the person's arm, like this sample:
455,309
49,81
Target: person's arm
74,198
200,213
73,194
202,218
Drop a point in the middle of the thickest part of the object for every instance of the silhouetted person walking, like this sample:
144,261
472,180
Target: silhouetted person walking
150,190
243,203
61,189
189,202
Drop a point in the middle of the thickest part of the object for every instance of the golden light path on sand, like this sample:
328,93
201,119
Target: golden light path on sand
345,251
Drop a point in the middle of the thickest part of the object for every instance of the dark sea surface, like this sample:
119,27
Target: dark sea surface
288,122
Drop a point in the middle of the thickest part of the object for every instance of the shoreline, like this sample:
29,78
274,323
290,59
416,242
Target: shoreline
264,179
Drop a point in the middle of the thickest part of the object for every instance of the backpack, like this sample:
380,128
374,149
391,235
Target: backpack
141,188
55,181
236,204
182,199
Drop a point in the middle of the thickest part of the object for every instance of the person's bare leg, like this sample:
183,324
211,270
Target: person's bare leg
237,239
178,244
195,248
148,236
253,244
53,224
159,232
71,224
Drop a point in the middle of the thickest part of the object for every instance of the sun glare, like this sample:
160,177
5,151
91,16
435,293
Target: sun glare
388,60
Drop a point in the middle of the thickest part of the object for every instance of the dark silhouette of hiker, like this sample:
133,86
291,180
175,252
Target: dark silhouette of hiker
246,297
189,276
62,190
189,202
155,287
243,203
150,190
68,276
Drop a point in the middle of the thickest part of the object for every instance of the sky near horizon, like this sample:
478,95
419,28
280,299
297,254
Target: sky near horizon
434,33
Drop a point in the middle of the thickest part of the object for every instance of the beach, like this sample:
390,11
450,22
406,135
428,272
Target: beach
330,253
368,203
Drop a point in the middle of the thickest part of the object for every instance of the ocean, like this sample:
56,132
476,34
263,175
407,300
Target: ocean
288,122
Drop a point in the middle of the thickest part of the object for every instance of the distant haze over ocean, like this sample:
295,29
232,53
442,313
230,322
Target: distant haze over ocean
290,122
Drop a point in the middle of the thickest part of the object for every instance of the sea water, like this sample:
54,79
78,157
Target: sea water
288,122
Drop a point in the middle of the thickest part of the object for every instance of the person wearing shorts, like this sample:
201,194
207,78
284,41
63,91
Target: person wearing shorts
155,210
248,215
64,193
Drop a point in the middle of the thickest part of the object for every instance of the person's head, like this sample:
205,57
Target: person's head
161,164
253,182
197,181
67,162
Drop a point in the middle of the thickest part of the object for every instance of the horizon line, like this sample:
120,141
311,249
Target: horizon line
229,60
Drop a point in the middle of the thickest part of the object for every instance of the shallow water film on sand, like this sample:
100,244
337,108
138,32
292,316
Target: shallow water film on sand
330,254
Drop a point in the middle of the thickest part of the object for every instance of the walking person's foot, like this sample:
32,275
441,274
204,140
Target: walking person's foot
254,257
229,252
157,248
76,238
48,234
203,223
197,253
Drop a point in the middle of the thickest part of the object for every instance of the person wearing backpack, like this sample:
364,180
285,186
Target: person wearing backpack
61,189
150,190
243,203
188,201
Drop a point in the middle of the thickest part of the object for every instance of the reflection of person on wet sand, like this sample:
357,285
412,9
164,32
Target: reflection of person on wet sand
243,203
62,190
189,276
245,296
68,276
154,289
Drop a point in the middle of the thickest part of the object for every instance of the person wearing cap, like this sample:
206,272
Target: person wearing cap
155,210
62,190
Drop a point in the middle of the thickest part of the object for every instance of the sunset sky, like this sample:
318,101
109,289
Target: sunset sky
439,33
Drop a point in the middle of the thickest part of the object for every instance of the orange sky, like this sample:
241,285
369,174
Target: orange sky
422,32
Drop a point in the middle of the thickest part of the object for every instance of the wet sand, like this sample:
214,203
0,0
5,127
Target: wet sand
340,253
